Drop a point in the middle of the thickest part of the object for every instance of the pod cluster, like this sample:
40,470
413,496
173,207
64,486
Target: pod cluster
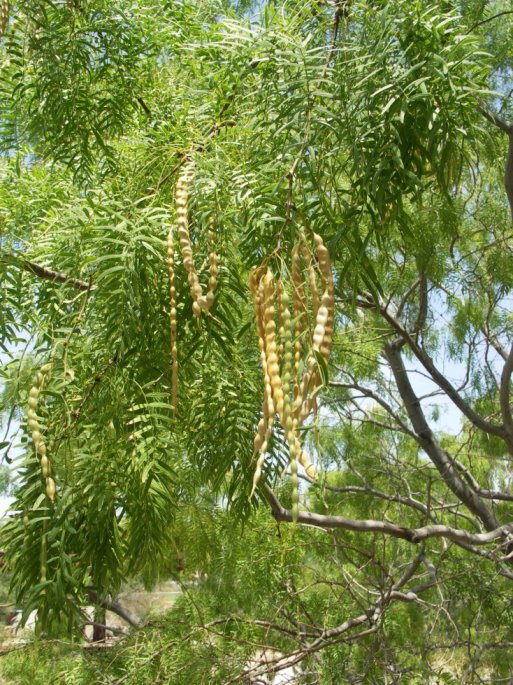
289,385
200,302
35,429
4,15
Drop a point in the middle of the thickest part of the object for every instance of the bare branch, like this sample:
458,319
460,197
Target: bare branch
438,456
413,535
504,393
445,385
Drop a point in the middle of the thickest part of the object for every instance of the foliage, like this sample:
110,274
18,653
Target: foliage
376,125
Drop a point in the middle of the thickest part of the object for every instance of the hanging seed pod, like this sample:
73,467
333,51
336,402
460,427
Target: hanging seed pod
279,345
4,15
172,319
287,365
293,470
312,276
270,342
328,296
35,429
306,462
300,316
264,429
182,222
213,271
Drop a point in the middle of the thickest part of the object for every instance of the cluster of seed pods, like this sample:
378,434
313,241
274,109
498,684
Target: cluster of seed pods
200,302
4,15
35,429
288,393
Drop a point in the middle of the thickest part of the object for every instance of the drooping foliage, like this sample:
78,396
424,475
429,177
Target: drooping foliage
367,124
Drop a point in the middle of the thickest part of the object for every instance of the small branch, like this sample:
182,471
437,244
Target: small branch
442,382
144,106
423,305
485,21
506,127
372,616
368,490
495,119
46,274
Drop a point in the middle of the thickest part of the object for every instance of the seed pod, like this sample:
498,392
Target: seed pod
172,319
45,466
328,296
213,271
309,377
301,319
51,490
270,342
34,427
279,345
306,462
4,15
294,479
312,277
182,223
286,374
264,429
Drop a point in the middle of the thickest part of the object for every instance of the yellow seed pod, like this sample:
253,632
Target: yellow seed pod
294,480
287,366
182,224
45,466
328,295
51,490
312,276
306,462
172,318
270,341
300,317
260,434
264,429
213,271
4,15
258,473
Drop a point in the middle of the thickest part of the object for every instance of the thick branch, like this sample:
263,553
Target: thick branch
116,608
504,393
445,385
438,456
413,535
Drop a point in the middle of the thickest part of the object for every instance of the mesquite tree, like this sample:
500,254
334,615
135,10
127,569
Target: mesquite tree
347,161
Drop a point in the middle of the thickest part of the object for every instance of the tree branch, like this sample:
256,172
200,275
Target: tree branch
46,274
115,607
445,385
506,127
413,535
438,456
507,370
